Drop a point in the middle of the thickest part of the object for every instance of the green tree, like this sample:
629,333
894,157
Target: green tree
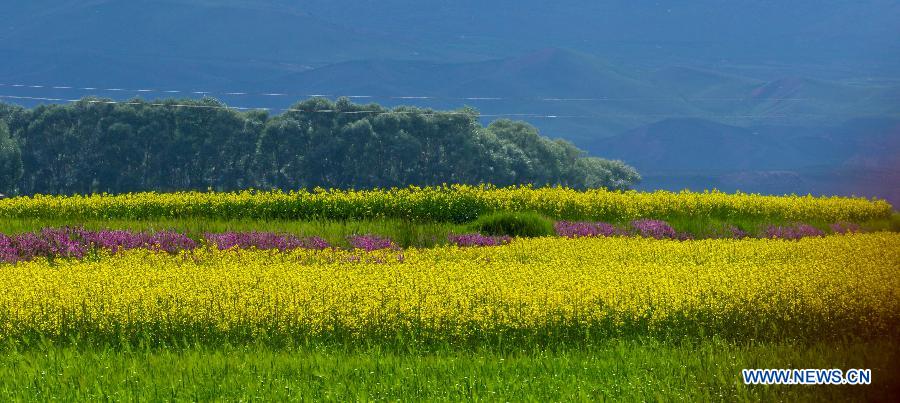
592,172
99,146
10,161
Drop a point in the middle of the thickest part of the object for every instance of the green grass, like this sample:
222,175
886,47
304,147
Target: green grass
615,370
888,224
516,224
710,227
405,233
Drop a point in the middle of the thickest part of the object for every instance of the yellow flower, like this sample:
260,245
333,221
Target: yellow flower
739,287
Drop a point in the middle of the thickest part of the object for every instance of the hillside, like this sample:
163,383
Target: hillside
601,98
857,157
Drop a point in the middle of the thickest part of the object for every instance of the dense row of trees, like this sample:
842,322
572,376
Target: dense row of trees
91,146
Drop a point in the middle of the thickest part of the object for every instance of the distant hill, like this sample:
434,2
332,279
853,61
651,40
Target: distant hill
624,100
808,31
860,156
604,98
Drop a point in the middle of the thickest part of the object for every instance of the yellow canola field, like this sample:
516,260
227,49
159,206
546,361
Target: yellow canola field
838,285
458,203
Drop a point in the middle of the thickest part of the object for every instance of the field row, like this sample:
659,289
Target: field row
78,242
456,203
547,288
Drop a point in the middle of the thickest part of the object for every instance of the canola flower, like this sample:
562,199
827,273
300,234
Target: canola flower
458,203
840,286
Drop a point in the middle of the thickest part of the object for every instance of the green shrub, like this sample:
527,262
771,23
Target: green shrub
522,224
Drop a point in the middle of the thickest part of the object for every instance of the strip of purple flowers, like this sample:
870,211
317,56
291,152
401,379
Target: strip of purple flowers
77,242
657,229
371,242
470,240
575,229
70,242
795,231
264,241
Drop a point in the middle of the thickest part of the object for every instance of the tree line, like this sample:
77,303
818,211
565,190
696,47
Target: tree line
92,146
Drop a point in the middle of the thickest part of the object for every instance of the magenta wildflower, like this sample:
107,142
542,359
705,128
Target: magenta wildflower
371,242
654,229
572,229
845,228
264,241
732,231
795,231
478,240
171,242
8,251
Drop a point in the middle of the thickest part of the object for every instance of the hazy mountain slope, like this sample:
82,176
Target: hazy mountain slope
601,99
686,145
190,40
803,30
698,145
192,30
860,156
528,84
862,33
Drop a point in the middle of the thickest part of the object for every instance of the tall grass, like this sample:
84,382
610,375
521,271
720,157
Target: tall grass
404,233
522,224
616,370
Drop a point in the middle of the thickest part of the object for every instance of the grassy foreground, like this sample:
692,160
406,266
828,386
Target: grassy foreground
616,370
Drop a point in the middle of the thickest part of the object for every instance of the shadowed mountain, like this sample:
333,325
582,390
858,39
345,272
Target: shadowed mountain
174,43
861,157
601,99
567,94
605,98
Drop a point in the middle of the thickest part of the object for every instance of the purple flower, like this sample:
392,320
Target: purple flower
571,229
61,243
845,228
478,240
795,231
76,242
735,232
171,242
8,251
50,242
264,241
31,245
115,240
371,242
654,229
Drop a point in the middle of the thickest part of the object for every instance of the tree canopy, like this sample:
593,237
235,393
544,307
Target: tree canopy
10,160
90,146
